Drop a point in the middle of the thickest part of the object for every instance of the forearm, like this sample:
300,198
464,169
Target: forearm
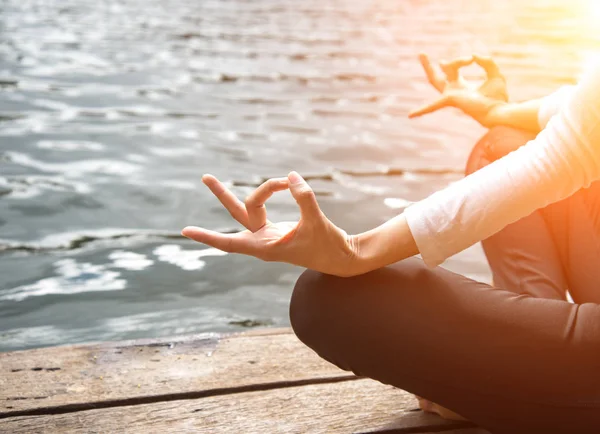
393,241
386,244
530,115
522,115
563,158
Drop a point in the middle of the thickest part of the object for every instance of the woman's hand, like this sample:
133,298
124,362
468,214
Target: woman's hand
313,242
477,101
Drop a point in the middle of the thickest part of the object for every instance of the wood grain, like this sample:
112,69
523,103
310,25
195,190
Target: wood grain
352,406
86,375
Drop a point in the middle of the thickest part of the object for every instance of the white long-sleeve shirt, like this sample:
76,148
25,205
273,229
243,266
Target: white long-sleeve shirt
562,159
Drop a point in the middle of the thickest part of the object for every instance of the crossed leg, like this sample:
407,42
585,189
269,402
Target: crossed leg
516,359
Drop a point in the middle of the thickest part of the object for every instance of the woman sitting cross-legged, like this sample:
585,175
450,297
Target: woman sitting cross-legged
515,357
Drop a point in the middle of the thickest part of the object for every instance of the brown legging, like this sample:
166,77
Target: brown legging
512,358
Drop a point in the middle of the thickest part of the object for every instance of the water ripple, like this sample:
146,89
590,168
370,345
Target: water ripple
111,112
73,278
76,240
185,259
73,169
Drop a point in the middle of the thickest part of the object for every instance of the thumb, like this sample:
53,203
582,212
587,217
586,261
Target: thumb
430,108
489,65
305,196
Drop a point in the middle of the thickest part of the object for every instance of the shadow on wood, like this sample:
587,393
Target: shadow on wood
259,382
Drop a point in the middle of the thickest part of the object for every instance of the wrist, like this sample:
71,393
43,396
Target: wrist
365,258
495,115
388,243
360,262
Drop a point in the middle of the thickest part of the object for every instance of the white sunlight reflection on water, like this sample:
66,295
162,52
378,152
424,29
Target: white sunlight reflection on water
73,277
185,259
102,152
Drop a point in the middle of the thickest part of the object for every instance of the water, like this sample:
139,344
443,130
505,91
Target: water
110,112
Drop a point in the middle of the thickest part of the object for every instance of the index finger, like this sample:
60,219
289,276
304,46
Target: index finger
255,203
452,68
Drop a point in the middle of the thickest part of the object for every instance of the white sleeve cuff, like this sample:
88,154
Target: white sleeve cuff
423,235
553,103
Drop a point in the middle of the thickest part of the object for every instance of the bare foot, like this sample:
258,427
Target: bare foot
431,407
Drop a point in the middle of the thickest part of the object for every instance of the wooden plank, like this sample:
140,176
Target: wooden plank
86,375
352,406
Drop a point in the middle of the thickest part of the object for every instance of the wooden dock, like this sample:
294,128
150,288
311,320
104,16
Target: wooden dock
264,381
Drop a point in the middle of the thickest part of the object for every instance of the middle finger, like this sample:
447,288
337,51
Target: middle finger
231,203
435,78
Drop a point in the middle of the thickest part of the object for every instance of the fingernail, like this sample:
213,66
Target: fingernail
294,178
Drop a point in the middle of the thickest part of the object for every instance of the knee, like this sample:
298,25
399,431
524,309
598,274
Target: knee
319,299
480,155
305,310
497,142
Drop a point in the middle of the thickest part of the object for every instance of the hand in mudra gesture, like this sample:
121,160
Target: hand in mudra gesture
475,100
313,242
